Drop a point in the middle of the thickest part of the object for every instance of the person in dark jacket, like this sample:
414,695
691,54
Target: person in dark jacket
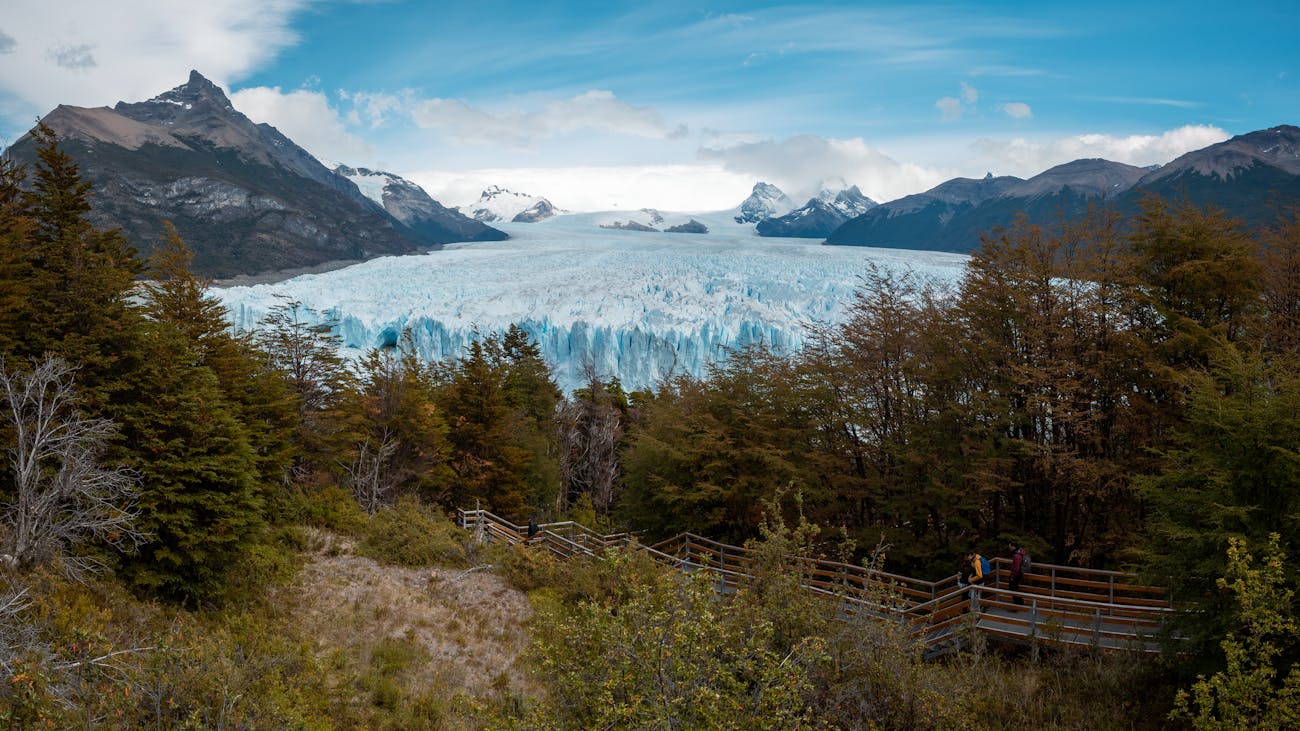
1017,571
532,527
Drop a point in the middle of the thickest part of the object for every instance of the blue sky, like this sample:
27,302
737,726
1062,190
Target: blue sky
680,105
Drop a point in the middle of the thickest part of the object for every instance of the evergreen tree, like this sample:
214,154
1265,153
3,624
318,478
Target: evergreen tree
305,352
81,278
199,494
256,393
17,230
1233,472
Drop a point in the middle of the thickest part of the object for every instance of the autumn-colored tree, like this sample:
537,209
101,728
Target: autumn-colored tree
403,444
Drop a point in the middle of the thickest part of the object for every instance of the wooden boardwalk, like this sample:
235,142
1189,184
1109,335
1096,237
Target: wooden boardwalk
1059,605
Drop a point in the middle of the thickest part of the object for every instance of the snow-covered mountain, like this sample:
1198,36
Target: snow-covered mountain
408,203
820,215
638,306
766,201
499,205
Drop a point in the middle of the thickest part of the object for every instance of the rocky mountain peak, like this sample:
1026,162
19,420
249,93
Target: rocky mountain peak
766,201
197,96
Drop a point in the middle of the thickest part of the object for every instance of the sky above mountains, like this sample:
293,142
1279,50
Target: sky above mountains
677,105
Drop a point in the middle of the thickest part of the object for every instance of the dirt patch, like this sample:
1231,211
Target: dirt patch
471,624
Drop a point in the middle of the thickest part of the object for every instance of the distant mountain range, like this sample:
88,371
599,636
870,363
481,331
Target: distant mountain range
1251,177
817,218
408,203
243,196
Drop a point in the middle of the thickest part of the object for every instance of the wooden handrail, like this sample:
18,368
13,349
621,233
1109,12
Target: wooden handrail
1063,604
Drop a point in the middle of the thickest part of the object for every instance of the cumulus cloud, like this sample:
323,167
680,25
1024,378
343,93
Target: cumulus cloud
92,53
950,107
306,117
592,110
1018,110
1025,157
799,165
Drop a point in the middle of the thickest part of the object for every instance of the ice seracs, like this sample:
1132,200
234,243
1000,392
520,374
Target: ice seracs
639,306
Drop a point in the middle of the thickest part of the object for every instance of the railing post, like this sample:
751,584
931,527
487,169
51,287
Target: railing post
1033,616
1053,587
1112,588
1096,628
722,568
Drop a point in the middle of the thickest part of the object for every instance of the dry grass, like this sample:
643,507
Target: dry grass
468,628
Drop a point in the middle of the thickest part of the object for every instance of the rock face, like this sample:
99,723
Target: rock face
243,196
628,226
690,227
766,201
409,204
819,216
1251,177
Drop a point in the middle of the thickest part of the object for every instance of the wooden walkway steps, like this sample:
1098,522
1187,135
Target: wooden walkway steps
1059,605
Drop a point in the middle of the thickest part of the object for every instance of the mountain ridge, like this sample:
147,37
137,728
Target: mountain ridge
243,196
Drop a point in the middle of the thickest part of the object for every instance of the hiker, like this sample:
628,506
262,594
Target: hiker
532,527
972,569
1019,563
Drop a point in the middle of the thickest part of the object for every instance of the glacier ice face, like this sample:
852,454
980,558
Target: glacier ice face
639,306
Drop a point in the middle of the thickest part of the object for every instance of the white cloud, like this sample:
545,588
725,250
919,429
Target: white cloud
1026,157
950,107
1018,110
305,117
666,187
799,165
92,53
592,110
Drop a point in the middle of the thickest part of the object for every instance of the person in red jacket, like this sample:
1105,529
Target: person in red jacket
1017,571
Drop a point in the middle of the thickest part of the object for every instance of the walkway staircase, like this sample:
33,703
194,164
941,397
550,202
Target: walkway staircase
1059,605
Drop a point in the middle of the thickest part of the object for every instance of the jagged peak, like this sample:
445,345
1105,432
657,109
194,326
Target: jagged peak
197,90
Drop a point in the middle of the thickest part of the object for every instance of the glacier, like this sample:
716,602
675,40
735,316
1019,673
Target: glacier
641,306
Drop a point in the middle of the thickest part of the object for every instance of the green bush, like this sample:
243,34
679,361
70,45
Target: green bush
330,507
410,534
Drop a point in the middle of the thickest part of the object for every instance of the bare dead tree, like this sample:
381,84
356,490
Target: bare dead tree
588,428
372,478
63,496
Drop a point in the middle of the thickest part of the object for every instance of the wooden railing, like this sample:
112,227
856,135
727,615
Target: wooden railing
1055,604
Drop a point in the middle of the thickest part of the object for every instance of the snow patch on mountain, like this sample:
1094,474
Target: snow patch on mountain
499,205
639,306
766,201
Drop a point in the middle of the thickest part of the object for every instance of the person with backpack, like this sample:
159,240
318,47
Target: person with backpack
972,571
1020,564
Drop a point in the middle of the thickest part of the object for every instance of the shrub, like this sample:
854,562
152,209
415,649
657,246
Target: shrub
409,534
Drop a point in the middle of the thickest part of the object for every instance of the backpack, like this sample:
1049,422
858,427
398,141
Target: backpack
985,569
1025,564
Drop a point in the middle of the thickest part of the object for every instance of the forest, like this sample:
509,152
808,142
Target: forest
1109,392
